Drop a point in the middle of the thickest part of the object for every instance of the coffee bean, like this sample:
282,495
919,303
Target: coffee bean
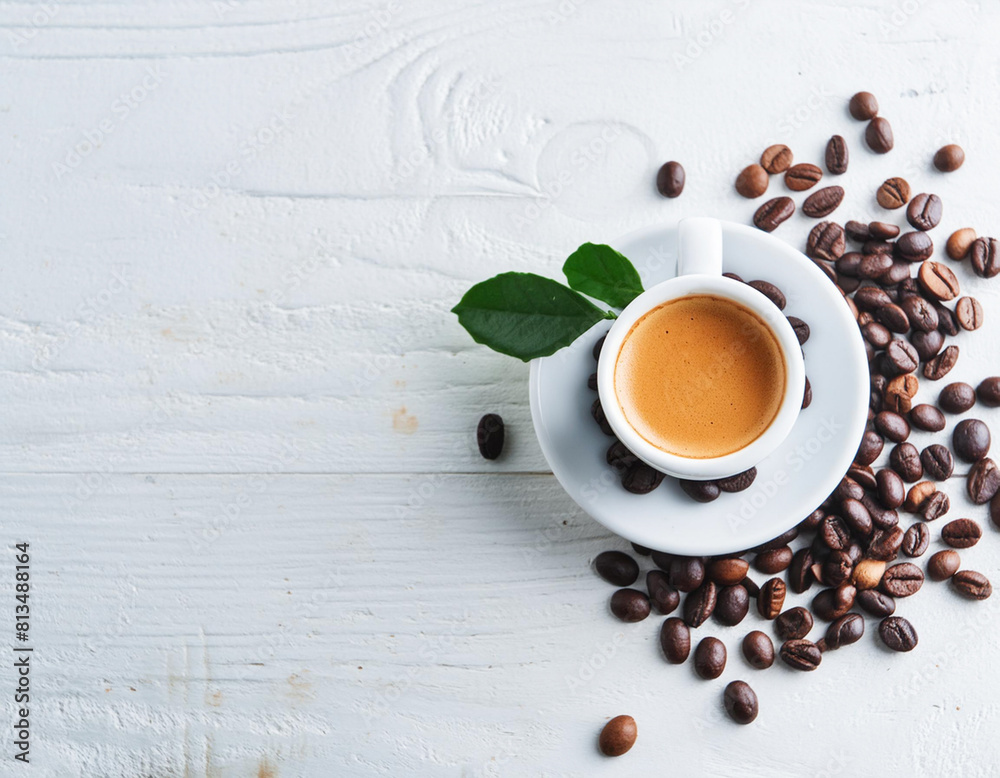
959,243
876,603
827,269
616,567
727,571
971,584
710,658
885,544
770,291
598,346
902,356
870,448
873,266
882,518
927,344
891,491
913,247
602,421
837,156
871,298
897,272
905,460
878,246
856,517
969,312
847,487
985,256
793,623
773,213
752,181
826,241
686,573
927,417
700,491
664,597
943,565
834,534
758,650
937,281
618,736
949,158
670,179
732,605
935,506
921,313
916,540
947,321
917,495
897,633
800,575
489,436
675,640
893,317
857,231
937,462
776,158
983,481
988,392
807,394
771,599
801,654
894,193
640,478
782,540
831,604
902,580
700,604
961,533
957,397
619,457
630,605
892,426
592,382
811,522
740,702
863,106
848,264
773,561
883,230
971,440
641,550
867,574
942,364
877,334
823,202
836,568
924,211
844,631
878,135
802,176
800,328
663,560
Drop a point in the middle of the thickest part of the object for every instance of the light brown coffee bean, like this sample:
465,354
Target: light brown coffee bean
776,158
894,193
959,243
943,565
863,106
937,281
618,736
752,181
969,312
802,176
868,573
949,158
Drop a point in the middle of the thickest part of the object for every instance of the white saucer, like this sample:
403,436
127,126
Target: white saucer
790,483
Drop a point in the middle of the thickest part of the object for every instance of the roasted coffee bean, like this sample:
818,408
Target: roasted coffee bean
773,561
826,241
873,266
619,457
943,565
752,181
902,356
793,624
664,597
675,640
800,575
878,135
710,658
489,436
879,246
802,176
700,604
834,533
957,397
924,211
883,230
800,328
663,560
983,481
893,317
988,392
856,517
876,603
598,346
971,440
927,417
971,584
758,650
630,605
732,605
617,567
836,568
770,291
857,231
916,540
863,106
771,599
848,264
947,320
782,540
891,491
670,179
641,550
844,631
823,202
837,155
701,491
831,604
772,213
871,298
870,448
902,580
863,475
917,495
913,247
949,158
885,544
897,633
776,158
847,487
985,256
894,193
738,482
877,334
941,365
602,421
740,702
801,654
727,571
618,736
969,312
959,243
811,522
908,287
807,394
921,313
927,344
896,273
937,281
592,382
883,518
935,506
686,573
751,586
867,574
892,426
961,533
640,478
827,268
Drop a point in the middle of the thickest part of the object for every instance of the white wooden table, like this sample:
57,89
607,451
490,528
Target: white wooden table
238,418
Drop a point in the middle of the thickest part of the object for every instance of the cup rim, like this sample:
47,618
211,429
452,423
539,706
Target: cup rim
727,464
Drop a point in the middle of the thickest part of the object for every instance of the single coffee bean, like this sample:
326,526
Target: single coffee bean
913,247
836,568
917,495
961,533
876,603
941,365
800,328
700,604
971,440
826,241
895,274
592,382
618,736
921,313
834,534
675,640
641,550
937,281
616,567
664,597
924,211
801,654
943,565
848,264
686,573
878,135
902,580
807,394
732,605
957,397
771,599
823,202
776,158
598,346
891,491
893,317
927,417
983,481
927,344
871,298
971,584
752,181
847,487
793,624
640,478
897,633
845,631
770,291
882,518
602,421
883,230
902,356
727,571
700,491
947,320
870,448
800,575
857,231
670,179
876,334
892,426
985,256
773,561
856,517
740,702
969,312
710,658
489,436
758,650
905,460
630,605
837,155
894,193
811,522
873,266
831,604
802,176
867,574
773,213
935,506
959,243
949,158
863,106
988,392
885,544
916,540
662,560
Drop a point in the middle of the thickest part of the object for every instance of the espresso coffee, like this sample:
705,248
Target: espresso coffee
700,377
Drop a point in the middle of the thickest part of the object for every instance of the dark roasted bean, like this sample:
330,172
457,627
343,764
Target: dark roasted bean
619,457
770,291
927,417
700,604
935,506
902,356
891,491
941,365
800,328
773,213
947,320
641,550
913,247
675,640
916,540
892,426
885,544
957,397
837,155
870,448
877,334
943,565
983,481
924,211
710,658
618,736
732,605
771,599
773,561
873,266
971,440
489,436
616,567
971,584
801,654
883,230
897,633
871,298
800,575
857,231
927,344
758,650
857,517
988,392
793,624
902,580
640,478
921,313
740,702
664,597
985,256
876,603
670,179
700,491
823,201
969,312
961,533
836,568
686,573
893,317
834,533
662,559
845,631
630,605
602,421
937,281
878,135
727,571
831,604
863,475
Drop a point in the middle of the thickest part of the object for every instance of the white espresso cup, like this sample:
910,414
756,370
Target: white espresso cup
699,272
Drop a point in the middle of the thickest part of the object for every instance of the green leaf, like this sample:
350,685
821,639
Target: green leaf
602,272
525,315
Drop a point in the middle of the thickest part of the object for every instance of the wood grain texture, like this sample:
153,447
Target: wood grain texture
238,423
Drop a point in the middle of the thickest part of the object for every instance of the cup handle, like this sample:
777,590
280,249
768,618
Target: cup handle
699,249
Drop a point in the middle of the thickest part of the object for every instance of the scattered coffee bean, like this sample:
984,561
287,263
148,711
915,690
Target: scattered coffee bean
826,241
773,213
913,247
897,633
801,654
867,573
834,534
630,605
873,266
892,426
857,517
983,481
823,202
893,317
602,421
957,397
802,176
857,231
617,567
941,365
776,158
959,243
971,584
664,597
943,565
947,321
732,605
489,436
670,179
727,571
969,312
937,461
758,650
905,460
870,448
700,491
686,573
844,631
619,457
871,298
847,488
961,533
924,211
771,599
916,540
971,440
894,193
937,281
640,478
927,344
662,560
598,346
675,640
793,623
985,256
618,736
935,506
848,264
752,181
641,550
897,273
592,382
807,394
773,561
891,491
877,247
902,580
877,334
988,392
837,155
878,135
863,106
800,575
770,291
883,230
949,158
927,417
918,495
800,328
922,314
831,604
876,603
995,511
710,658
740,702
700,604
903,357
